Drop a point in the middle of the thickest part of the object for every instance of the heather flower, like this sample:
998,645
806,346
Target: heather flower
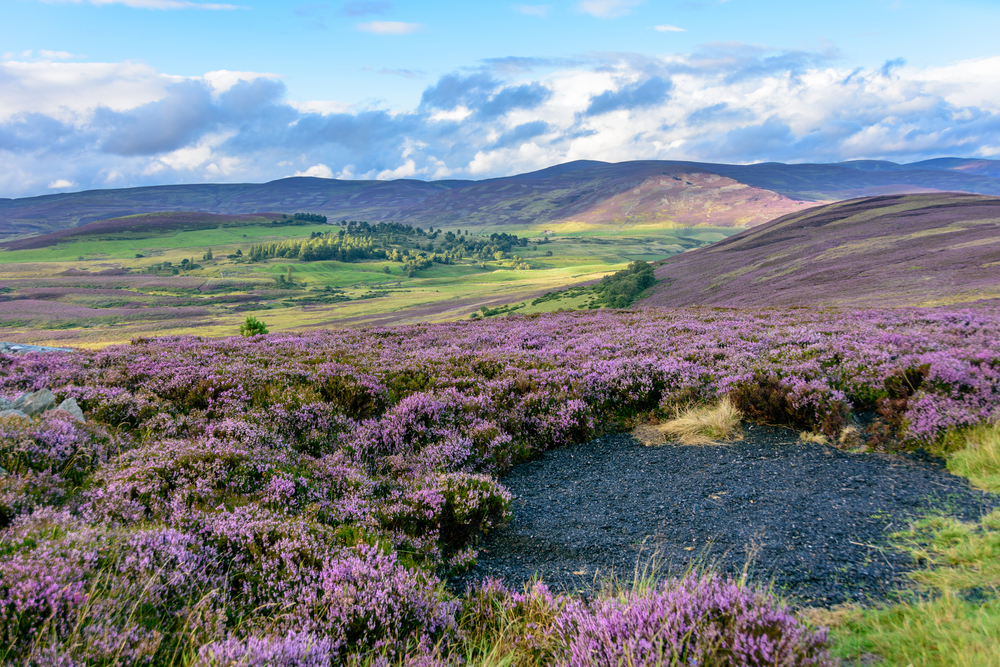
692,621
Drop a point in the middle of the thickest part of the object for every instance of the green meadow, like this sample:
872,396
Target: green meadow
49,300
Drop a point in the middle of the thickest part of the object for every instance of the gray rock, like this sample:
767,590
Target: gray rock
36,403
70,406
2,471
5,404
13,413
19,401
21,348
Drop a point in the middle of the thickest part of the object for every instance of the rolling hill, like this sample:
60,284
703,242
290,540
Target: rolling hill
611,196
899,250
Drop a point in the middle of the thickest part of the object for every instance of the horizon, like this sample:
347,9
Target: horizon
472,180
108,94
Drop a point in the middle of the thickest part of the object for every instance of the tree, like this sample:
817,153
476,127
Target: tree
208,255
253,327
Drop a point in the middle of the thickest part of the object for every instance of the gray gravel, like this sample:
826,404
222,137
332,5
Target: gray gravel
809,518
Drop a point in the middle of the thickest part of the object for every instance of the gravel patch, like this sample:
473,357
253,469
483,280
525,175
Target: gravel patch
809,518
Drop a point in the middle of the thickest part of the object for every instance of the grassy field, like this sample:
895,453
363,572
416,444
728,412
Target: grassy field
96,291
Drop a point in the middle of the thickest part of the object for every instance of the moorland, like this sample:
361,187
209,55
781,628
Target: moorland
311,495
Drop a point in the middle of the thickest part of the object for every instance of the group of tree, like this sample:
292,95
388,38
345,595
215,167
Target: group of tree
174,269
299,220
620,289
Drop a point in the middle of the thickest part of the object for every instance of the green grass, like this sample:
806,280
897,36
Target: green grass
950,613
196,242
439,293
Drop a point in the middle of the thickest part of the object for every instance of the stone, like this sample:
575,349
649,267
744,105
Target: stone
36,403
70,406
5,404
13,413
19,401
2,472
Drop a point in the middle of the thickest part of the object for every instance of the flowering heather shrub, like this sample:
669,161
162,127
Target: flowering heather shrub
698,620
263,495
300,649
693,621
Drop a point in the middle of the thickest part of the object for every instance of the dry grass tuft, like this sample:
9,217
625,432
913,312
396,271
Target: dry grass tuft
818,438
849,437
700,425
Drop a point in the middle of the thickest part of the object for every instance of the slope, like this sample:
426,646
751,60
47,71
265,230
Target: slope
584,192
927,249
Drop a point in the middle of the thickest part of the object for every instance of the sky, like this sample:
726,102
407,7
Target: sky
121,93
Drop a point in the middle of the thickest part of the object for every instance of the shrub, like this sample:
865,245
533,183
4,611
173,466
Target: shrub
252,326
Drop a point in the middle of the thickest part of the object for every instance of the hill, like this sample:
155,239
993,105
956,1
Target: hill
611,196
926,249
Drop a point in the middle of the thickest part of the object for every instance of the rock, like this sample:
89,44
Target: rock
2,472
36,403
19,401
13,413
70,406
5,404
18,348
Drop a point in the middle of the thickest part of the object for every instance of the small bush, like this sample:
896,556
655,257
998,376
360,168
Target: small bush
253,327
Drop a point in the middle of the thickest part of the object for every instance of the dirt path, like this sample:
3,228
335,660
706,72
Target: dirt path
810,518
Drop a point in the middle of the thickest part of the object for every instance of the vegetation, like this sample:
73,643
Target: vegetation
300,498
704,425
620,289
252,327
87,302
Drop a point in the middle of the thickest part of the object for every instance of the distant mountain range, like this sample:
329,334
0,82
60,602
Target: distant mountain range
899,250
586,192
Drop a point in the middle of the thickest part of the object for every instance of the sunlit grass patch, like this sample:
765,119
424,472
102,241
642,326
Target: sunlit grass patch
697,425
979,461
950,616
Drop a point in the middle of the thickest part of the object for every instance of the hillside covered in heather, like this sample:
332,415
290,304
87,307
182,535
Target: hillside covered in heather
300,499
594,194
900,250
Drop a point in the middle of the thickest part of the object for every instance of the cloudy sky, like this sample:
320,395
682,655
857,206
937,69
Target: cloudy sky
118,93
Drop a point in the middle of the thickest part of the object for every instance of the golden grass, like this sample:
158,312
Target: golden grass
818,438
697,425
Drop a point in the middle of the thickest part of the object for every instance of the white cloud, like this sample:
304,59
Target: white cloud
322,107
730,103
153,4
408,168
533,10
608,9
64,90
222,80
316,171
61,184
389,27
668,28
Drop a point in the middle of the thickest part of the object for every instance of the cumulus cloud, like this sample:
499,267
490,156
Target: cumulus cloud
653,90
316,171
668,28
61,184
101,125
389,27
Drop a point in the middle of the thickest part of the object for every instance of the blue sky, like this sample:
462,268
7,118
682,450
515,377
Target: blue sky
115,93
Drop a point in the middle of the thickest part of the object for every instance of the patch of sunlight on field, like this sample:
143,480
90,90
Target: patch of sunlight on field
180,244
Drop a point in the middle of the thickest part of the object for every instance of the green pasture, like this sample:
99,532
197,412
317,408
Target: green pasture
223,240
342,294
